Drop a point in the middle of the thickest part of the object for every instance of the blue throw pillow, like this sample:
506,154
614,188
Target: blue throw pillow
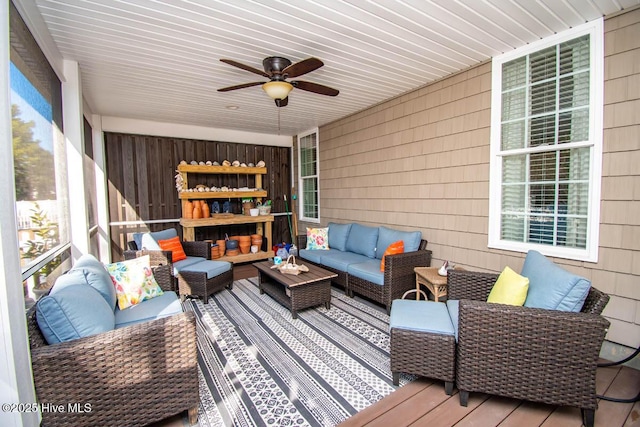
362,240
338,234
73,312
387,236
552,287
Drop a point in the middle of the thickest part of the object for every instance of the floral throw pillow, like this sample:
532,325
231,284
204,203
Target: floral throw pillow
134,281
317,239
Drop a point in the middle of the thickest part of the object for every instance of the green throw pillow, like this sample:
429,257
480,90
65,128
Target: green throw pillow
510,288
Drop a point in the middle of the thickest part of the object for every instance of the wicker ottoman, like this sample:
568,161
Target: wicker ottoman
422,341
204,278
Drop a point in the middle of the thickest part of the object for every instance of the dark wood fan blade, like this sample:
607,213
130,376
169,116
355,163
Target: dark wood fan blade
282,102
245,67
315,88
242,86
303,67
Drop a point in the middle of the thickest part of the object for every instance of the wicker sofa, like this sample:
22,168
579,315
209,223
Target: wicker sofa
132,375
359,272
534,354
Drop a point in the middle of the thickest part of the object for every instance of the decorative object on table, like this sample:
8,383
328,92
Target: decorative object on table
215,207
446,266
254,249
254,211
290,267
226,207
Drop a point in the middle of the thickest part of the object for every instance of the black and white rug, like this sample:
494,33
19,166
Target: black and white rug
259,367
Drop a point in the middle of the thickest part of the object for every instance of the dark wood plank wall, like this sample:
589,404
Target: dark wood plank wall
141,173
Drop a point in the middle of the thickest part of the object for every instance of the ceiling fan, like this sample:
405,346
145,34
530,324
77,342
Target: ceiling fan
278,70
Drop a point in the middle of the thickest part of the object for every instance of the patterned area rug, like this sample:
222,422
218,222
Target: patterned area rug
259,367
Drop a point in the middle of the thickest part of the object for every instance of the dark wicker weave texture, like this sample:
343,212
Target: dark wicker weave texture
532,354
196,283
130,376
399,276
422,353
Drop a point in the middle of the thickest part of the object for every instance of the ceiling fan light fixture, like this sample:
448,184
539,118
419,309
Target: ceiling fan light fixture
277,89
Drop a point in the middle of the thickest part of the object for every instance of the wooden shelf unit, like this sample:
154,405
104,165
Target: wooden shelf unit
263,222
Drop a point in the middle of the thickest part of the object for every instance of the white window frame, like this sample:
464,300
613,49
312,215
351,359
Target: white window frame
301,178
596,107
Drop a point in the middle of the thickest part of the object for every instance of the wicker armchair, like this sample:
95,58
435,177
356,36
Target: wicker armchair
525,353
131,376
187,282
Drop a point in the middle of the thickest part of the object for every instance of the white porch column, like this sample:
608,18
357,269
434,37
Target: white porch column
74,138
102,195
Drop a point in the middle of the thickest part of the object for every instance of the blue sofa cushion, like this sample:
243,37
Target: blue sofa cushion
88,270
150,240
422,316
551,286
73,312
368,270
190,260
338,234
161,306
387,236
341,260
317,256
211,268
362,240
453,307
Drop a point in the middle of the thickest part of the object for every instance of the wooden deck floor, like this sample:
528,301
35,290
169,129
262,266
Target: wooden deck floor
424,403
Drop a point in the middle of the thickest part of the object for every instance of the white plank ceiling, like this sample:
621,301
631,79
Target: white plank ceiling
159,59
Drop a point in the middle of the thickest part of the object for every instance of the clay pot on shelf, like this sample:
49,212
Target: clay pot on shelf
197,210
188,209
245,247
233,252
206,212
231,244
221,246
214,252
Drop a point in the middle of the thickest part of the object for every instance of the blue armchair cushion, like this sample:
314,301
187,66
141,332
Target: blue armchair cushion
150,240
164,305
552,287
88,270
362,240
338,234
387,236
73,312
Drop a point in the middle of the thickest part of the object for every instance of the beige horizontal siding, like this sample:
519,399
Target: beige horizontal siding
421,161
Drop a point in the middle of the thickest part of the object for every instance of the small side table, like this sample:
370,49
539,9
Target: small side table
429,277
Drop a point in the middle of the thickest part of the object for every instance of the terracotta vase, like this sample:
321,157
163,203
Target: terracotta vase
188,209
197,211
206,212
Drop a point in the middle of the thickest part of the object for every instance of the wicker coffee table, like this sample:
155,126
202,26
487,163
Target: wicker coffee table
296,292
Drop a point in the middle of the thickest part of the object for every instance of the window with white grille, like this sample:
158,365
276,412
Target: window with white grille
546,145
308,176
